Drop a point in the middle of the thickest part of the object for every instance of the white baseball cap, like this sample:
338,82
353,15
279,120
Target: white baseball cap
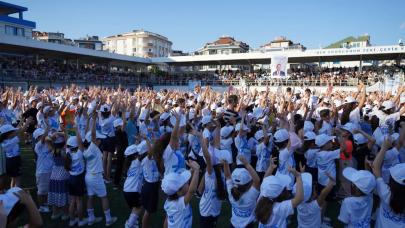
32,99
72,142
220,155
105,108
240,176
260,134
309,135
47,109
258,113
132,149
164,116
142,147
281,135
359,139
363,179
206,119
118,122
220,110
307,185
388,105
39,105
38,132
337,103
172,182
238,126
350,127
322,139
98,136
398,173
273,186
226,131
308,126
349,100
7,128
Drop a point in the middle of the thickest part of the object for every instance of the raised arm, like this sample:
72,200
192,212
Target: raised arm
252,172
380,157
174,139
299,195
325,192
206,154
271,167
194,181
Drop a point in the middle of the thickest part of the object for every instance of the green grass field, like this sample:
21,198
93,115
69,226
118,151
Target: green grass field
120,209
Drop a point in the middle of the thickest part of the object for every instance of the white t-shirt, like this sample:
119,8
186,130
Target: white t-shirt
195,145
309,215
134,180
356,211
11,147
326,164
279,215
178,213
285,160
210,205
150,170
243,209
263,153
354,116
81,123
310,155
77,167
107,125
94,161
226,144
243,148
173,160
325,129
44,158
391,158
385,216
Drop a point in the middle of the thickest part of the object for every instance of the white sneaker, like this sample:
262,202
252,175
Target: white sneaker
73,222
82,223
96,220
112,221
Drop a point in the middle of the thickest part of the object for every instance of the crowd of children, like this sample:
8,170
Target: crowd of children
270,155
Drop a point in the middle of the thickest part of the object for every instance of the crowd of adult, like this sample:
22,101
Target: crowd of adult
30,69
264,153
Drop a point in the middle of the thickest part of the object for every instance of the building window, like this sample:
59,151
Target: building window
11,30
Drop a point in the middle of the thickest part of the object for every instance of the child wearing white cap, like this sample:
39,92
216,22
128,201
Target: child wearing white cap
94,174
285,156
43,167
310,151
9,142
273,206
179,194
263,151
133,183
213,184
243,189
106,122
392,206
325,160
75,165
356,210
241,140
309,211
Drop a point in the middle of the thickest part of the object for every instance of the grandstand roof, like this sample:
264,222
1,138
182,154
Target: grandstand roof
21,45
349,39
8,8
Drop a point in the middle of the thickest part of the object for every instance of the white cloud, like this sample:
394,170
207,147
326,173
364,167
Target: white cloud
402,26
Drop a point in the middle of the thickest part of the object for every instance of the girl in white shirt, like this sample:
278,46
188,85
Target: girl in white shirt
74,163
243,189
263,151
273,207
133,184
391,212
179,194
212,185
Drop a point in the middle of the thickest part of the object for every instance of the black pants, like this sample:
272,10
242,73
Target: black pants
118,168
208,222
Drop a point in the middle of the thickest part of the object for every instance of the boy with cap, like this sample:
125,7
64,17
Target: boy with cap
356,210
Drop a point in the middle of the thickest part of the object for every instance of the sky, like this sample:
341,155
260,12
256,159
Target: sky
189,24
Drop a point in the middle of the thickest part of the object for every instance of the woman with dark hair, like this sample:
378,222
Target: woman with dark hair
243,189
392,207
